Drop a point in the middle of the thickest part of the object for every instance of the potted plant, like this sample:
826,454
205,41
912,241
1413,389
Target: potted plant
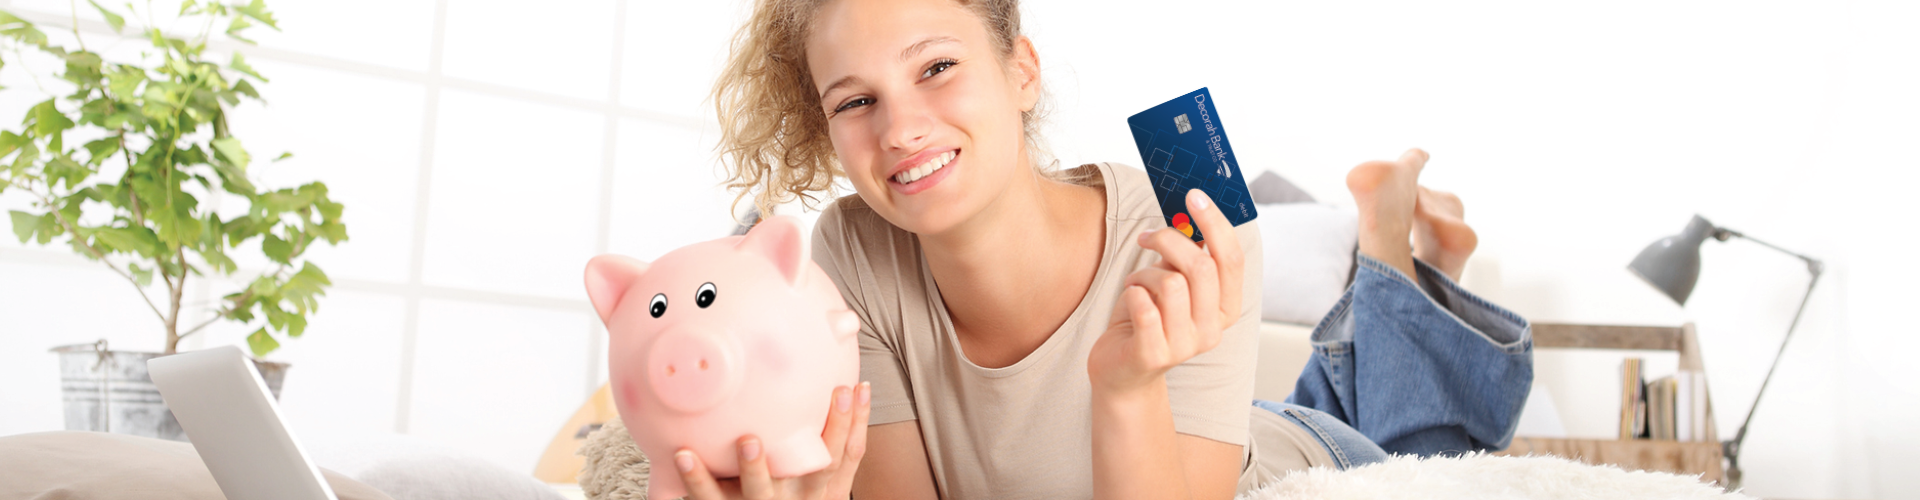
125,166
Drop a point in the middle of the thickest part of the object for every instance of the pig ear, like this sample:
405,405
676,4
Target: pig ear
608,278
778,239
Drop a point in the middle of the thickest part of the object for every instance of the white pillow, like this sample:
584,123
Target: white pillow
1309,257
409,468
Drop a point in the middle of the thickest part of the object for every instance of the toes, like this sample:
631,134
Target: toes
1432,203
1415,158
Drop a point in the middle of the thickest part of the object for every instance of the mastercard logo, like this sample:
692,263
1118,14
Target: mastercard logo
1182,224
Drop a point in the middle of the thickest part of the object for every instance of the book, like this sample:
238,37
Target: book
1633,413
1663,409
1683,409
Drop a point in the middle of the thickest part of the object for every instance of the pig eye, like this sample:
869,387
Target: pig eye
705,296
659,306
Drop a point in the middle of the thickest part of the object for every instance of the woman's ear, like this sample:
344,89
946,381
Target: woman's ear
1026,72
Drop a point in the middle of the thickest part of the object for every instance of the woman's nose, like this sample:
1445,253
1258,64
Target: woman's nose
908,125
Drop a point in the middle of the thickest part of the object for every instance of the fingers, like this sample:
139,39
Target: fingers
839,415
756,482
1170,293
1149,337
693,473
1224,245
1180,255
842,482
857,442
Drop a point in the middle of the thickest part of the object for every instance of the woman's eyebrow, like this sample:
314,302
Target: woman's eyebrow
911,50
923,44
842,82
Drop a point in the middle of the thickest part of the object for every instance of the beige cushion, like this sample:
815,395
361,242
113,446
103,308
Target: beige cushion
91,465
1284,349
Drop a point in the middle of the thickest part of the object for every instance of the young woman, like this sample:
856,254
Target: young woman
1038,333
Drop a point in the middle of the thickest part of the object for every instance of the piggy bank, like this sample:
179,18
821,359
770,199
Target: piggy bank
721,339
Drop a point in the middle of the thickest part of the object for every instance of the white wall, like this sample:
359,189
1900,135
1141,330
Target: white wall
485,149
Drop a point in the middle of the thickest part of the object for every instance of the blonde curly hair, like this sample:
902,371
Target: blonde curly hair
774,138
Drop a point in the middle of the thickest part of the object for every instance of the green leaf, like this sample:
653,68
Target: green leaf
304,286
28,154
124,82
261,342
277,249
240,64
142,276
10,141
245,88
22,30
229,149
47,119
129,239
333,231
257,9
102,149
24,224
49,227
219,260
238,25
276,318
296,325
284,155
113,19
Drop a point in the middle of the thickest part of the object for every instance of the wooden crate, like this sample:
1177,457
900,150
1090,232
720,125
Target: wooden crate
1699,458
1688,459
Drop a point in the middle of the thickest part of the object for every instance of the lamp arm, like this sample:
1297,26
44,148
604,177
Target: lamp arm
1731,448
1813,265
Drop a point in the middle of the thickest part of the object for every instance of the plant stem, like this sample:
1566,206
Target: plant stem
75,9
179,288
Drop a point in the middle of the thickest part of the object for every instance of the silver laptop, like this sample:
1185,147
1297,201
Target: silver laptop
224,406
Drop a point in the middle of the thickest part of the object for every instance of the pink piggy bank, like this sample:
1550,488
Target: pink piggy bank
721,339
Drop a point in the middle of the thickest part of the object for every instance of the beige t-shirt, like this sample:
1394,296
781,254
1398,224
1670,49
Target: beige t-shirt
1025,430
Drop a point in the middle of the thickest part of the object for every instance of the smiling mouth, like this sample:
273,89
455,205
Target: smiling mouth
926,168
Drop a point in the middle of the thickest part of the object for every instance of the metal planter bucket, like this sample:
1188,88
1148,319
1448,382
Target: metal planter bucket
109,391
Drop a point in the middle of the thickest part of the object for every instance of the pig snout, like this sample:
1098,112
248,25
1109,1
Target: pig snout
693,372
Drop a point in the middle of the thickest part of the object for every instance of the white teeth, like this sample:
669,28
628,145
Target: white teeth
930,166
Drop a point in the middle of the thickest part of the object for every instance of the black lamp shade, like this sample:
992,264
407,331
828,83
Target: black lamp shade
1672,264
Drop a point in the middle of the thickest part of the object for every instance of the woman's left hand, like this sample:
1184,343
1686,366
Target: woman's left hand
1176,308
846,440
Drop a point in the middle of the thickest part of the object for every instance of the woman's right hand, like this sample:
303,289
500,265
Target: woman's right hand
846,440
1174,309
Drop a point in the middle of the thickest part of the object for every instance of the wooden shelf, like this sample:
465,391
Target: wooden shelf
1698,458
1689,459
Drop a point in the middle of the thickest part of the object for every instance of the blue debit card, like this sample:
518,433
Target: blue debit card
1185,147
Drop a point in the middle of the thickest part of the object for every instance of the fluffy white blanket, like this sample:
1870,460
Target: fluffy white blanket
1482,476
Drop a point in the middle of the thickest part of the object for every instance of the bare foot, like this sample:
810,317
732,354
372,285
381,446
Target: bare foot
1385,193
1440,233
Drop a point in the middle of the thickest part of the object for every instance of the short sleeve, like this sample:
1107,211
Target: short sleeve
838,250
1211,392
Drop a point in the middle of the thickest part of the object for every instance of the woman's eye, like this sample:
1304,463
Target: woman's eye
937,68
659,306
705,296
854,104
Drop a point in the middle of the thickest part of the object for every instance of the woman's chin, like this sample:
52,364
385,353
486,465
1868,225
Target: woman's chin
925,218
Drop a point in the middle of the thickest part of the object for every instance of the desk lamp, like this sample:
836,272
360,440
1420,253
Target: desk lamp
1672,265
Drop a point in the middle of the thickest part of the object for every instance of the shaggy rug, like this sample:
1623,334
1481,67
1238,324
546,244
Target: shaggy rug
616,470
1481,476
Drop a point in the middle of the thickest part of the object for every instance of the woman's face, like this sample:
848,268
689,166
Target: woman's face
923,113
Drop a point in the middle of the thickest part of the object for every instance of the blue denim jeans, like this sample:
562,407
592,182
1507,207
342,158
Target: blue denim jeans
1405,369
